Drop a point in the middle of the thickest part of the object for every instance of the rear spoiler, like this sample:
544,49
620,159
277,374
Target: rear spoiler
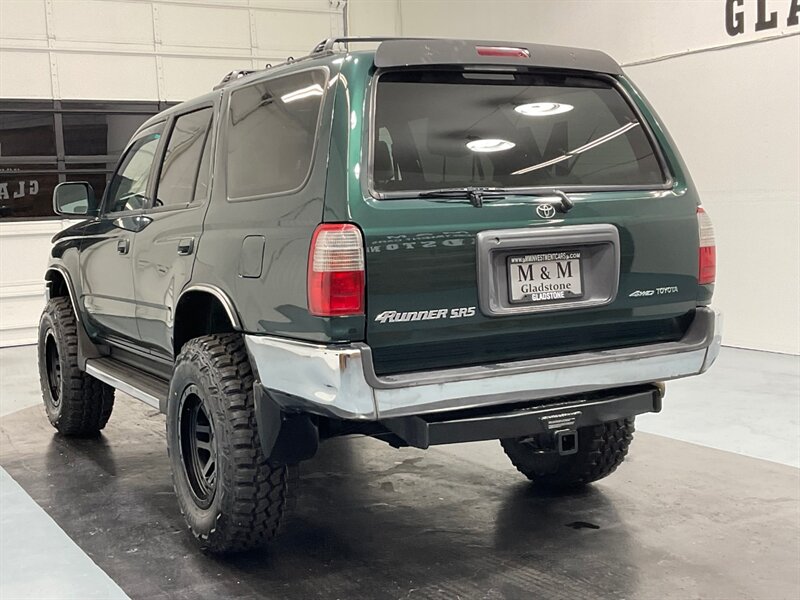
422,52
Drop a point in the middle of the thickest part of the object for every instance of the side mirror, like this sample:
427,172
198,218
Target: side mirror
75,199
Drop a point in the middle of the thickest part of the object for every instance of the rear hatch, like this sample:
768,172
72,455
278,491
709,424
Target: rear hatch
518,214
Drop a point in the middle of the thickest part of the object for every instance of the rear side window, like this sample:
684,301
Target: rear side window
456,129
271,134
181,165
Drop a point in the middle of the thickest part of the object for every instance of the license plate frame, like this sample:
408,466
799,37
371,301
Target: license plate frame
542,277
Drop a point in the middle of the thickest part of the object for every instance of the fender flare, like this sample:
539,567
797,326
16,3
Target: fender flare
86,347
221,295
70,288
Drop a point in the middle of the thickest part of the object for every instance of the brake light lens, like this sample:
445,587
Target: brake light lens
502,51
707,269
336,271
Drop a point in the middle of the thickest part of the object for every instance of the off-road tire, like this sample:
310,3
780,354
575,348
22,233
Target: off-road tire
249,496
77,404
601,449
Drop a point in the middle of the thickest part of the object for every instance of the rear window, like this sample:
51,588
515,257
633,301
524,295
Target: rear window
457,129
271,134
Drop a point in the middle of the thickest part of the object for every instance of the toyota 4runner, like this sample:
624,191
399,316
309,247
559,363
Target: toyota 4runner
436,241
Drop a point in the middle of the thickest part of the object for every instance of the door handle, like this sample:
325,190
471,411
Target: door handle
123,246
186,246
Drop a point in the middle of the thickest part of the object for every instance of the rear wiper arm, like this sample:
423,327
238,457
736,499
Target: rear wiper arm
476,195
473,194
564,206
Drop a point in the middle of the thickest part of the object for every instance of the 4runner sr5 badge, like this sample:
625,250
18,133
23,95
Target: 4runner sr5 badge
393,316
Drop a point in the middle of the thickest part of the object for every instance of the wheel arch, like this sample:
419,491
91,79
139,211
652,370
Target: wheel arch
58,283
220,315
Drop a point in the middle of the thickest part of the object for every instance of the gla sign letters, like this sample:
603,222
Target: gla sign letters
22,189
736,16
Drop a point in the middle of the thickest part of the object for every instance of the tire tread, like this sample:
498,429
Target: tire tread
86,402
256,496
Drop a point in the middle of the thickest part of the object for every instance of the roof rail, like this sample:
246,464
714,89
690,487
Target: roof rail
327,45
232,76
323,47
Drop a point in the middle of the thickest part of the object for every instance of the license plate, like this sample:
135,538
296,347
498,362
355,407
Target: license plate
544,277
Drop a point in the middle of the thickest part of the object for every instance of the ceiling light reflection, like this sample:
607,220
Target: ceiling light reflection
306,92
543,109
490,145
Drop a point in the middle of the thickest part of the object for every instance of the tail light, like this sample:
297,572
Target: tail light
707,269
336,271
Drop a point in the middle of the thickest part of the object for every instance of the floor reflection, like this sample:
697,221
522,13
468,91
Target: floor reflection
375,522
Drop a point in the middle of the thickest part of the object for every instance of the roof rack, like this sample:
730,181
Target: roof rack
323,47
232,76
327,45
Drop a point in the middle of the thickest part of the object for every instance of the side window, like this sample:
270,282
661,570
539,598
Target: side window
271,134
181,165
128,187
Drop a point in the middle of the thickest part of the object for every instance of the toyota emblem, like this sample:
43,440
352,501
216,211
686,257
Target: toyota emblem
546,211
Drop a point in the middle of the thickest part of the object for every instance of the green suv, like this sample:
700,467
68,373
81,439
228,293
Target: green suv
432,242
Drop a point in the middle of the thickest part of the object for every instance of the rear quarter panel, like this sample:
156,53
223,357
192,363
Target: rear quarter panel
274,303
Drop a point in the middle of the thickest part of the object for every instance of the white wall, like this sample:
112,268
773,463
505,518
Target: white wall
149,49
129,50
738,128
733,111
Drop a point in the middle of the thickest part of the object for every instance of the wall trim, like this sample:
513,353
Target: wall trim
771,38
9,229
265,54
22,289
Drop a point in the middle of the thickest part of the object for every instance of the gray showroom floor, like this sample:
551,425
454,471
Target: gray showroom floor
707,506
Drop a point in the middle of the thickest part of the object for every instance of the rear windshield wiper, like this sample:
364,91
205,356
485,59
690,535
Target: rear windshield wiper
477,195
474,195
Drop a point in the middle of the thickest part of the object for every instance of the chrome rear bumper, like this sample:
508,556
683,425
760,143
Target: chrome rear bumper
340,381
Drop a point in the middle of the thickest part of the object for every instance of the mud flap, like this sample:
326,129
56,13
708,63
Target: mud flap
286,438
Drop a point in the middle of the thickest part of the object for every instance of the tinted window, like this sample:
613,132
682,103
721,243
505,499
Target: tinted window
27,134
98,133
271,134
439,130
25,189
38,150
128,187
181,163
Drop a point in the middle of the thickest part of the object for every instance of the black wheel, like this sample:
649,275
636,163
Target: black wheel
601,449
231,497
76,403
198,447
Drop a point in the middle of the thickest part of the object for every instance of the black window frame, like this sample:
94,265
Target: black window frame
370,131
226,127
68,166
